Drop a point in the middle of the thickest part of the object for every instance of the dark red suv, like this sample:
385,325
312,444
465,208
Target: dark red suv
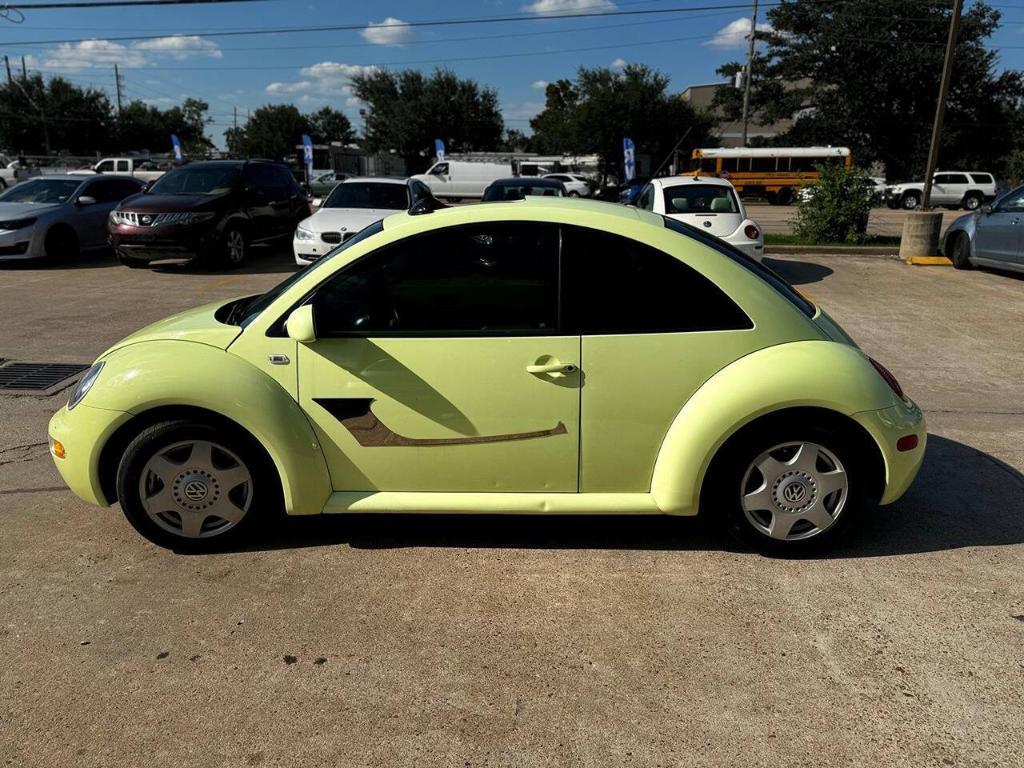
212,211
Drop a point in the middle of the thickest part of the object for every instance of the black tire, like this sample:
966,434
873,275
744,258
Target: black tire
910,201
772,198
784,196
235,246
260,494
959,251
731,469
3,185
574,193
61,243
972,201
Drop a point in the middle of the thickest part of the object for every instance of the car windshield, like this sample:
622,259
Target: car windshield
368,194
41,191
700,198
217,180
246,312
497,192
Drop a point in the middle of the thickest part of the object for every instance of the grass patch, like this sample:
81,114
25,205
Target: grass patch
872,242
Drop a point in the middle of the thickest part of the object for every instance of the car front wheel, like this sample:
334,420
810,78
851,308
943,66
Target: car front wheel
960,251
910,201
188,486
236,247
792,492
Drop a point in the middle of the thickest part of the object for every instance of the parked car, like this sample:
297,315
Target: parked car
214,209
139,167
354,204
575,185
708,203
322,184
949,190
518,187
436,363
992,237
8,172
58,216
874,189
457,179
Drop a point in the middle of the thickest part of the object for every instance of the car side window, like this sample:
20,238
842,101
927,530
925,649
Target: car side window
122,166
1013,202
285,184
497,279
616,285
982,178
646,198
109,190
957,178
941,178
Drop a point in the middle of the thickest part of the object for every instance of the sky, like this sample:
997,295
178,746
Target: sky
312,69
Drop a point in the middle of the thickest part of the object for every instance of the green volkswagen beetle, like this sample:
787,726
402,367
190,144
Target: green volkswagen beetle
545,356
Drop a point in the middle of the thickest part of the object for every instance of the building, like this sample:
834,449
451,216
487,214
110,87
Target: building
701,97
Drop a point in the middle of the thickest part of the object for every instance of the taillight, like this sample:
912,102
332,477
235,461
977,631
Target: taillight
886,374
751,232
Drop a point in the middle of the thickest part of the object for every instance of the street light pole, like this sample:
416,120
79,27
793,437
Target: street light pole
940,108
750,66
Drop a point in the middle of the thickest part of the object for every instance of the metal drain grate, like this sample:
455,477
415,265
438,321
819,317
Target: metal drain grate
36,377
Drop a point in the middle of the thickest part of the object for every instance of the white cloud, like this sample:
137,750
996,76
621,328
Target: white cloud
540,85
328,78
182,47
734,34
277,89
619,63
391,31
333,70
549,7
105,53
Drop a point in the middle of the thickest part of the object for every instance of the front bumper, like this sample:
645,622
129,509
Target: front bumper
161,243
887,426
17,244
83,432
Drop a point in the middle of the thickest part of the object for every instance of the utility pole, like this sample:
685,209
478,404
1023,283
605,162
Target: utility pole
118,87
940,108
7,64
234,119
24,72
750,67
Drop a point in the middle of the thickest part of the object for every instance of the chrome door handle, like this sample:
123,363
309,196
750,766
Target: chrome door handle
552,368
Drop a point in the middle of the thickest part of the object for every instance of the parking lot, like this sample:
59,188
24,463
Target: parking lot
581,641
883,222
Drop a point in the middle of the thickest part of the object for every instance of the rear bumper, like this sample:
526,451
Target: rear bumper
887,426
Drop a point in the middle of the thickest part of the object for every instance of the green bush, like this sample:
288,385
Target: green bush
837,209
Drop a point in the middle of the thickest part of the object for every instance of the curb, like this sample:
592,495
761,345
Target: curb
868,251
929,261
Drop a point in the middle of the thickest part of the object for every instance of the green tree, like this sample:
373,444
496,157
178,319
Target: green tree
188,120
594,112
272,132
406,110
867,75
54,115
838,207
329,125
143,126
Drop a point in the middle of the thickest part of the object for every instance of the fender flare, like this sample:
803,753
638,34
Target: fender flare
819,374
167,374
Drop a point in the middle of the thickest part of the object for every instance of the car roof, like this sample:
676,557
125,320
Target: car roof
519,181
682,181
376,180
79,177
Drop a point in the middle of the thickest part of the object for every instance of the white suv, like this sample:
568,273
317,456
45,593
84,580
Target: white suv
954,189
575,185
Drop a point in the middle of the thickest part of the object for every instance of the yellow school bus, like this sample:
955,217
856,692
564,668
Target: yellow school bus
774,172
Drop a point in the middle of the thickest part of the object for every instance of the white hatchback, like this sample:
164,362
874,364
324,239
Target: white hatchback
708,203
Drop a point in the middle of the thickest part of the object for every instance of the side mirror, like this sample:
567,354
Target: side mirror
986,209
317,202
300,325
86,200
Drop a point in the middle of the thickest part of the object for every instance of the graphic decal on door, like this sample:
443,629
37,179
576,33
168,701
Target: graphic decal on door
370,432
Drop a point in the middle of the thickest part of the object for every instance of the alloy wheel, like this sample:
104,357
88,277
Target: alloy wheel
236,246
794,491
195,489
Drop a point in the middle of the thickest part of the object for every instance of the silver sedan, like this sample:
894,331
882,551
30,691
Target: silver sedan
58,217
991,237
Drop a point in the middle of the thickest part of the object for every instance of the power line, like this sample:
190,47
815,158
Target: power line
22,7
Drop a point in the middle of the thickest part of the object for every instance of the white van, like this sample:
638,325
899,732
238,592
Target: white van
462,179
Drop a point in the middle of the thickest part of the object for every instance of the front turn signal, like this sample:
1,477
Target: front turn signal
57,448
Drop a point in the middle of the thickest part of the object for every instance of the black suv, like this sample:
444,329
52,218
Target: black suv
212,210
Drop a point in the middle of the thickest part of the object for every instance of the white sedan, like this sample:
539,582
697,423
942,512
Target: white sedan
575,185
352,205
707,203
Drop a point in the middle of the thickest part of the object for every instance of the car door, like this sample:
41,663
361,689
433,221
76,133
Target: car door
653,331
257,195
439,365
90,221
941,194
999,234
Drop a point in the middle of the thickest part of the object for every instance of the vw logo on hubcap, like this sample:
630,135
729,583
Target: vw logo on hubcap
195,490
793,492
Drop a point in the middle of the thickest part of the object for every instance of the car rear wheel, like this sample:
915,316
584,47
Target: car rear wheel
787,493
188,486
574,193
61,243
960,251
236,247
972,201
910,201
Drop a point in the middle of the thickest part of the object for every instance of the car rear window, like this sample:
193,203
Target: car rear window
700,198
769,276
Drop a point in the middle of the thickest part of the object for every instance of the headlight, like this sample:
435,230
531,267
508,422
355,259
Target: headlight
13,224
301,233
85,385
